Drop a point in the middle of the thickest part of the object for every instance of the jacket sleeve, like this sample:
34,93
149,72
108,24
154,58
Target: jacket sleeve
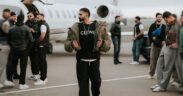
106,41
68,42
112,28
150,33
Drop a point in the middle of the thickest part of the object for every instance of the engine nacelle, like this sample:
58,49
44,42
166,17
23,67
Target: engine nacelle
104,11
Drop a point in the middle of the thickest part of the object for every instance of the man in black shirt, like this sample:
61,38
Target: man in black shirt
138,40
19,38
33,25
42,41
157,41
116,38
88,39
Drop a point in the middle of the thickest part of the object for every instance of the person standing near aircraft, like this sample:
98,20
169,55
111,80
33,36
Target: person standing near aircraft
12,21
20,39
43,41
168,56
4,47
33,25
138,40
88,38
157,37
116,38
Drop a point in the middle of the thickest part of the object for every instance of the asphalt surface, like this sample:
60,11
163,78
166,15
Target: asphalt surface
118,80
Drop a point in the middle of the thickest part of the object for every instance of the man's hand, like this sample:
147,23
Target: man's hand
99,43
163,43
32,30
75,44
154,38
174,45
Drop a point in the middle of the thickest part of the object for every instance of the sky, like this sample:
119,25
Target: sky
127,3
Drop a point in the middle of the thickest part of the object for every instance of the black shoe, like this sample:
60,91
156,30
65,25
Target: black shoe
119,62
16,76
116,63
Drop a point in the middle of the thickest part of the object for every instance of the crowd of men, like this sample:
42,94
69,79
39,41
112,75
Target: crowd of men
166,48
20,40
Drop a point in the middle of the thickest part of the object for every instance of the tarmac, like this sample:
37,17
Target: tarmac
117,80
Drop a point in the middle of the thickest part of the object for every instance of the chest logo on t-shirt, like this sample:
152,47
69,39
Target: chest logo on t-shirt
85,33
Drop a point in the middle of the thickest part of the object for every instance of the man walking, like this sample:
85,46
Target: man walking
137,40
157,37
88,39
168,56
116,38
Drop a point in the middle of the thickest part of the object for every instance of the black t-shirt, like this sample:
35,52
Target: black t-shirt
86,39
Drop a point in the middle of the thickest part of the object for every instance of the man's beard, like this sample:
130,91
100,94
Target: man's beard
158,21
118,22
81,19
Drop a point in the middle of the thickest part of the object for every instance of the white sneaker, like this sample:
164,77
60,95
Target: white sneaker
158,89
41,82
34,77
9,84
23,87
134,63
150,77
1,85
153,87
176,84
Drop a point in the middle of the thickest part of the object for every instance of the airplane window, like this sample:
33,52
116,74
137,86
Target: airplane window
57,13
69,14
74,14
64,15
50,13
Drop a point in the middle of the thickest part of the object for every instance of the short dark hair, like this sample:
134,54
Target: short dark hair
138,18
30,12
13,14
117,17
175,16
6,10
166,14
86,10
157,14
41,14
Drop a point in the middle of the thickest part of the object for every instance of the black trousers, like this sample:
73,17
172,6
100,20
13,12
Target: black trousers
42,63
10,57
23,57
117,46
86,72
33,59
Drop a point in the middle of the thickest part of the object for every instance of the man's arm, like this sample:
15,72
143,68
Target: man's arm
68,43
43,33
106,41
150,33
141,27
